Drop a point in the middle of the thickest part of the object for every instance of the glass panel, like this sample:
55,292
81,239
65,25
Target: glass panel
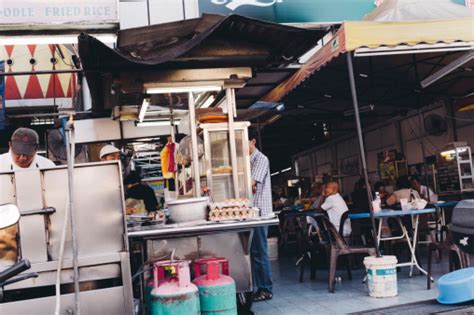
464,154
465,169
220,152
221,169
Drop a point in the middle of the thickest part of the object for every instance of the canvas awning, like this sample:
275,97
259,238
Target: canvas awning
384,38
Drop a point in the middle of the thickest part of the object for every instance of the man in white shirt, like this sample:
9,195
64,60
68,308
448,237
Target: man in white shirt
424,191
335,207
22,155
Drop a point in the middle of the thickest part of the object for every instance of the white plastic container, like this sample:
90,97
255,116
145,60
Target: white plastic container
190,209
381,276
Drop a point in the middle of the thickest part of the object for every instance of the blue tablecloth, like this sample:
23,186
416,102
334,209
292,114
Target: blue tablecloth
391,213
446,204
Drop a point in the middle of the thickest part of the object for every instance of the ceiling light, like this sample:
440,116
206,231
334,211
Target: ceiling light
143,109
363,109
158,123
465,58
327,96
363,75
182,89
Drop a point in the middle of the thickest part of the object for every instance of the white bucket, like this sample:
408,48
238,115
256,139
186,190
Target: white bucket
381,276
272,248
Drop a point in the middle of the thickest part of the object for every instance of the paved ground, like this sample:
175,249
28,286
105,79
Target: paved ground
311,297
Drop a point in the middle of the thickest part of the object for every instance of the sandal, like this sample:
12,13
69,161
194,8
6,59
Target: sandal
262,296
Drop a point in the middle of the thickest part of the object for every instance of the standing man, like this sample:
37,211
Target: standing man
22,154
262,199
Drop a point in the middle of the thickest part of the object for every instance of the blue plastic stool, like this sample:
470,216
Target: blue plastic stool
456,287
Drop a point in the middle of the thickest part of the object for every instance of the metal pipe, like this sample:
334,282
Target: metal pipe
424,175
7,74
233,149
423,155
48,210
70,148
361,145
194,144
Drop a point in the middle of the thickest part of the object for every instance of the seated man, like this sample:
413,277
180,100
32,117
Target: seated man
403,191
424,191
335,207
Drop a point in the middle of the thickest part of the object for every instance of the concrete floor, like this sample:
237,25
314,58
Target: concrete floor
312,297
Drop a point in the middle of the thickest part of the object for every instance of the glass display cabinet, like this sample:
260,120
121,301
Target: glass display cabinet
455,169
227,176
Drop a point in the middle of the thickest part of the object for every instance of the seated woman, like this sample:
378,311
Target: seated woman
404,191
359,197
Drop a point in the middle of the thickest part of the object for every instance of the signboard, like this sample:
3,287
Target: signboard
291,11
296,11
58,11
2,96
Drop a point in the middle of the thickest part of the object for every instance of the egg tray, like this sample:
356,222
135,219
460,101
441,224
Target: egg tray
230,204
233,215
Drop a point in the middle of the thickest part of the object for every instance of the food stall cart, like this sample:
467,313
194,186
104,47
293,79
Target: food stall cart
224,168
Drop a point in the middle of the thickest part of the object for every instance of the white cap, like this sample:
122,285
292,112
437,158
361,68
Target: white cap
108,149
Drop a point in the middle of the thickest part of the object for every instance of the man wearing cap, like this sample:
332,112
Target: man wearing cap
109,153
22,155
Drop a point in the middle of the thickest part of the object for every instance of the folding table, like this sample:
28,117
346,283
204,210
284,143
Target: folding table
398,214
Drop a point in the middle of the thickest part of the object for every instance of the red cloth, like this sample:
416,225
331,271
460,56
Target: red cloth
171,162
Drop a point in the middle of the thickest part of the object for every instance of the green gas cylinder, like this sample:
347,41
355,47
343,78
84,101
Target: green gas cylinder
217,293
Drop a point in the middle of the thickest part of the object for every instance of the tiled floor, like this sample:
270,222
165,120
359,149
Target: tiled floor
311,297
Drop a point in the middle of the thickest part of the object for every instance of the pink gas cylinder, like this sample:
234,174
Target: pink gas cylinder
174,294
217,293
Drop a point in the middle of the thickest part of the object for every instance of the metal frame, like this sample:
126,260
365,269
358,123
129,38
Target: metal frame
93,264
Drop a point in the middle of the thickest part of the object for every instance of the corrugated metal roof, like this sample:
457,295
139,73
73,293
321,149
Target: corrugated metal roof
212,41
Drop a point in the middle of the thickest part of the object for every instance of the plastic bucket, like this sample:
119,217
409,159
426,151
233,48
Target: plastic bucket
272,248
381,276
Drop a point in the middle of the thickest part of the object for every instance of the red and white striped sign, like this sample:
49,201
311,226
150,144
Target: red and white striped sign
33,89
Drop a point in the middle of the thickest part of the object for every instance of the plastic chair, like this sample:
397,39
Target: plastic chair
461,261
309,244
338,247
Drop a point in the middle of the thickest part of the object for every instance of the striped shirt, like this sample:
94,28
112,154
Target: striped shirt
260,172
